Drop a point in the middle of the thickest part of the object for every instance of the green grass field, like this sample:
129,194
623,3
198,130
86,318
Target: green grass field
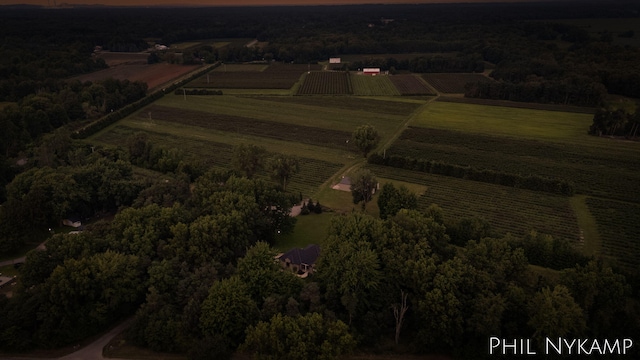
309,229
505,121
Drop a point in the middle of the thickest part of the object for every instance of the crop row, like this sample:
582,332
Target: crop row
326,83
410,85
364,85
350,103
242,125
246,80
508,210
292,68
619,227
453,83
609,173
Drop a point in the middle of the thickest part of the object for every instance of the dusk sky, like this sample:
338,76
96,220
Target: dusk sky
237,2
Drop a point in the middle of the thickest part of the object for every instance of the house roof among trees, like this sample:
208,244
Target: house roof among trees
299,256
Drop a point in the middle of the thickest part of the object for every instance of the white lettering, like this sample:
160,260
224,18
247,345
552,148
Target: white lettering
581,348
569,345
494,343
548,342
529,350
506,345
596,345
628,343
612,348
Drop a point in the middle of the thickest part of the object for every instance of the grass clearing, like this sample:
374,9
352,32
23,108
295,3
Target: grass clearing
309,229
504,121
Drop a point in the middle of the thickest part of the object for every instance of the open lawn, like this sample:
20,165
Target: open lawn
309,229
506,121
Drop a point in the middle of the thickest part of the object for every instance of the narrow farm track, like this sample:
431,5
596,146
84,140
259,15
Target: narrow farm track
358,162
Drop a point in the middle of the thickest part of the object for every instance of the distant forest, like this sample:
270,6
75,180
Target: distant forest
191,257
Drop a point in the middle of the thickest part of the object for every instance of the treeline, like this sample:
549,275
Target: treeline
184,91
380,285
529,182
615,122
61,104
104,274
114,116
579,93
424,64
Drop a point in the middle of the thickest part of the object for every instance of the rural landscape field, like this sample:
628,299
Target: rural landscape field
370,182
317,128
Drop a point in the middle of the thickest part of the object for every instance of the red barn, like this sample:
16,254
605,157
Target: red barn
371,71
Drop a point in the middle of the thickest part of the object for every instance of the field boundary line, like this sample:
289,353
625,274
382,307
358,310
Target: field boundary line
405,124
360,161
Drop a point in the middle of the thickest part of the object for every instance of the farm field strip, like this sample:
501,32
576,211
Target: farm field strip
234,138
617,224
372,85
368,104
410,85
518,104
235,68
564,127
245,80
508,210
323,116
153,75
313,172
609,173
453,83
253,127
326,83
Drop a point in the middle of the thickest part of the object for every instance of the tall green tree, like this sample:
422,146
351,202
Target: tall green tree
282,167
363,186
554,313
248,159
392,199
228,310
309,337
366,138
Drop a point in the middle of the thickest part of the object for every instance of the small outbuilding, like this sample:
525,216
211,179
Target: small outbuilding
371,71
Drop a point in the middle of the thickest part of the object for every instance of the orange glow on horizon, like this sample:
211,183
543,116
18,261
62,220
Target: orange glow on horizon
238,2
